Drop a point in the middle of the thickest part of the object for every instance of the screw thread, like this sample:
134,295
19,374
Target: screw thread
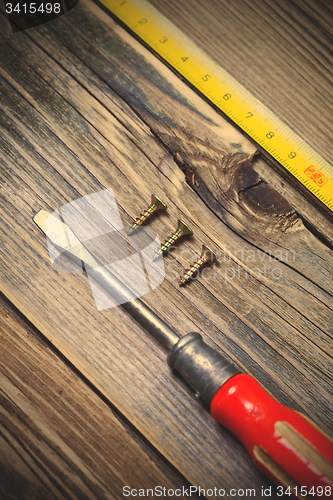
143,217
174,237
193,269
167,244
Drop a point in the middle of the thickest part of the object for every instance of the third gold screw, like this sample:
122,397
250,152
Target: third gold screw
207,255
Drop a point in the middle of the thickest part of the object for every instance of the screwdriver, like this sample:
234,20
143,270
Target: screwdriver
285,445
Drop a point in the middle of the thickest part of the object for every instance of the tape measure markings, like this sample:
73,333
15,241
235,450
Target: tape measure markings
228,95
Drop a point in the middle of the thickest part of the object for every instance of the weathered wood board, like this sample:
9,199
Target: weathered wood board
86,451
84,107
274,50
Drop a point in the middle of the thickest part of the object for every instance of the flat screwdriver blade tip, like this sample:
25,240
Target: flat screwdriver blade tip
40,219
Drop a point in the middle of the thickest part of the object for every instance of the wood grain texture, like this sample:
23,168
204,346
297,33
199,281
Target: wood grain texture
58,439
282,54
84,108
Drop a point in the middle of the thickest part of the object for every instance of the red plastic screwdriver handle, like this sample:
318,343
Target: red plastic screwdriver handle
283,444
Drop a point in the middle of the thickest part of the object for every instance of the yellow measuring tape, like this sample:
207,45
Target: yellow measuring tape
228,95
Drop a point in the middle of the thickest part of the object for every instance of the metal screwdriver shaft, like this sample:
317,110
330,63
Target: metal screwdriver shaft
114,287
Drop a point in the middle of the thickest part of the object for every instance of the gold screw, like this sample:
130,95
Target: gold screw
156,204
182,230
207,255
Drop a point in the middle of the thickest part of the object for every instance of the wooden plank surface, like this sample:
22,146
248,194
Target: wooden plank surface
84,107
58,438
281,53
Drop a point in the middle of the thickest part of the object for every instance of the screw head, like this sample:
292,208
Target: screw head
208,254
185,229
160,205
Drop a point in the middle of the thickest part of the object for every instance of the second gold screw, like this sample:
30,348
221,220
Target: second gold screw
182,230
